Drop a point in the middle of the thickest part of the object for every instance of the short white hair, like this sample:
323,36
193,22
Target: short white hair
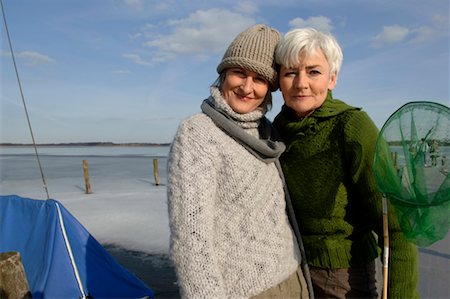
307,41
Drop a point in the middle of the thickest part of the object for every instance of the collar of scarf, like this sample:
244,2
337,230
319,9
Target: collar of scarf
291,125
267,148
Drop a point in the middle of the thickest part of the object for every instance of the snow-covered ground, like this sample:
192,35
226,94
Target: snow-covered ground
127,210
125,207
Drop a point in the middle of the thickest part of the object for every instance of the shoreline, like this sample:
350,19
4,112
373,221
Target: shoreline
155,270
84,144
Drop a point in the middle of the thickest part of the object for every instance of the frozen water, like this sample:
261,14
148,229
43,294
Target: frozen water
128,211
126,208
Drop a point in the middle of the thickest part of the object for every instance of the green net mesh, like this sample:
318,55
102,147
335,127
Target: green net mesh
411,168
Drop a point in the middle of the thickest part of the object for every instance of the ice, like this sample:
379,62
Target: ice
125,208
128,211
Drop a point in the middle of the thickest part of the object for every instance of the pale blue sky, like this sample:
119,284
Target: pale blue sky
131,70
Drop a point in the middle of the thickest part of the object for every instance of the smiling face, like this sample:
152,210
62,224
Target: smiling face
244,90
305,86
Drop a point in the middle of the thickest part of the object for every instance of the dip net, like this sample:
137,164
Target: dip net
411,169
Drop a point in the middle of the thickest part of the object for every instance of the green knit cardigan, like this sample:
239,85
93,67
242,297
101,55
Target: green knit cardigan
328,169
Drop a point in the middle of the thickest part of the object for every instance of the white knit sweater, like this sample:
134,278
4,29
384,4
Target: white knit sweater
230,235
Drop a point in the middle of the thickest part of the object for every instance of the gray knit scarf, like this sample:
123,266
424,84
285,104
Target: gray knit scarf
267,149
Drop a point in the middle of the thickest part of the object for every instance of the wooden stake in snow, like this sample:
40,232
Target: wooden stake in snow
155,171
86,177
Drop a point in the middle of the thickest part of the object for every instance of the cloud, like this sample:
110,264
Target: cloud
247,7
135,4
31,58
414,35
202,33
422,34
320,23
441,20
137,59
390,35
121,72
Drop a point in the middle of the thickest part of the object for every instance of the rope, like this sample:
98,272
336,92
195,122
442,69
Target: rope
69,251
23,102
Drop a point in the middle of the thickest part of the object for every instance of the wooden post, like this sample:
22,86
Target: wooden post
86,177
386,248
394,158
13,280
155,171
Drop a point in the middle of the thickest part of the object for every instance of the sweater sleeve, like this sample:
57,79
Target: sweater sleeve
191,193
360,141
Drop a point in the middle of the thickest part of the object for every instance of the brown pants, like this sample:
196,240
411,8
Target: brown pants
293,287
356,282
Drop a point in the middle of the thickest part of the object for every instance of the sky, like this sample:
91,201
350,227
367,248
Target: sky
132,70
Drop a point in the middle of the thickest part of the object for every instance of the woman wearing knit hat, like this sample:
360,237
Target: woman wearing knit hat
328,161
230,234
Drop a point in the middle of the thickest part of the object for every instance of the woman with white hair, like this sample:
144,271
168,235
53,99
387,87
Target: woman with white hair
327,164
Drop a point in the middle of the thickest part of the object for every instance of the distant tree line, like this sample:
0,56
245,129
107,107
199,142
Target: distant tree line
400,143
87,144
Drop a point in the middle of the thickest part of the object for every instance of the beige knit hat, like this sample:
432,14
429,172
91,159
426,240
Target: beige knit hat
254,49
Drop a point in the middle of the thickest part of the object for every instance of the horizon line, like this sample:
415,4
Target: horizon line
95,143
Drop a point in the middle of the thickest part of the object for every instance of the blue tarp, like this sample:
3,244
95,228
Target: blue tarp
33,228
